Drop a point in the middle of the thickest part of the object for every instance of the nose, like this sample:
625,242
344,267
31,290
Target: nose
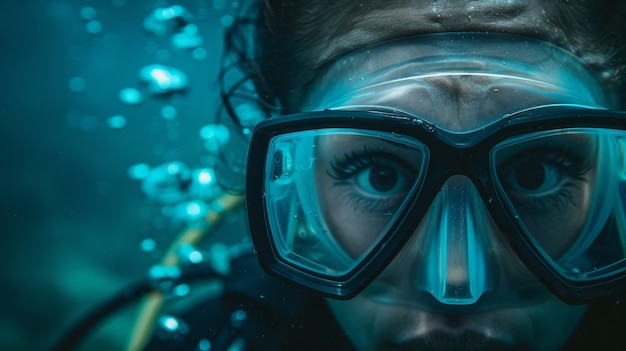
456,242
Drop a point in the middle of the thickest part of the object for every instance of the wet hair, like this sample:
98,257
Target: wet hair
277,44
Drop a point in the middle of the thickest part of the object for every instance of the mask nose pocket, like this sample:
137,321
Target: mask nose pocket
456,247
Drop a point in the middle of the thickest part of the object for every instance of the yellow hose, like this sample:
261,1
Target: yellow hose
151,305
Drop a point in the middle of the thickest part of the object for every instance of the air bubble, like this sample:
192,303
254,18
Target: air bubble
204,184
200,54
138,171
215,136
77,84
188,38
171,327
93,27
249,115
167,20
238,317
88,13
130,96
227,20
203,345
168,112
162,79
116,122
181,290
147,245
167,183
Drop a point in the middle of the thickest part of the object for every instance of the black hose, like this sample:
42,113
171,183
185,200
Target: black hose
76,333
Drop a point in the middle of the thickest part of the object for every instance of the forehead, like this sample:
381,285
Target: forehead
375,21
334,29
459,81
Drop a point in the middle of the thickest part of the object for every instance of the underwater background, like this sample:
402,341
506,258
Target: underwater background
96,94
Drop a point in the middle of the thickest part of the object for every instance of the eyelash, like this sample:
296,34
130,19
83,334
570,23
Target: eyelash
355,162
565,160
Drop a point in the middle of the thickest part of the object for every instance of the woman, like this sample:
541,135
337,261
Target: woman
451,178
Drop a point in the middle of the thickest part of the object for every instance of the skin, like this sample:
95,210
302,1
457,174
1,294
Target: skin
393,313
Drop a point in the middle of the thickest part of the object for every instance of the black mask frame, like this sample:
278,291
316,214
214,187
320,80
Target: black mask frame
464,154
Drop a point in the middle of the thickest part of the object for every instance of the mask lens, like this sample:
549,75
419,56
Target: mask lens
567,190
332,194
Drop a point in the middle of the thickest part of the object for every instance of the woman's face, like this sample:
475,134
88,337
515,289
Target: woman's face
397,311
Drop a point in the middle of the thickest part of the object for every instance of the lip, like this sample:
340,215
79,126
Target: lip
442,340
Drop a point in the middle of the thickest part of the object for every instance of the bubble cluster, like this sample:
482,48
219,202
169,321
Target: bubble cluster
167,183
190,213
204,184
249,115
160,79
167,20
90,16
188,38
215,137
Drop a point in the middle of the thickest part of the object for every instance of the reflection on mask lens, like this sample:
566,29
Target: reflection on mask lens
562,187
332,193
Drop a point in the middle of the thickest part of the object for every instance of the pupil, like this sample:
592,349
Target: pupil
383,178
531,175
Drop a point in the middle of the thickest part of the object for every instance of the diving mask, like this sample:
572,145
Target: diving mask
333,195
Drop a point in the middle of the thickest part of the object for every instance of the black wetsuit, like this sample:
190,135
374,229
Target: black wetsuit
279,316
260,311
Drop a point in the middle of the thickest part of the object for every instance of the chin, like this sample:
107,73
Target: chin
377,326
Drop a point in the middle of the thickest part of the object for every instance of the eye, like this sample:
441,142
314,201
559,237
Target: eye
373,181
533,177
382,179
543,177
